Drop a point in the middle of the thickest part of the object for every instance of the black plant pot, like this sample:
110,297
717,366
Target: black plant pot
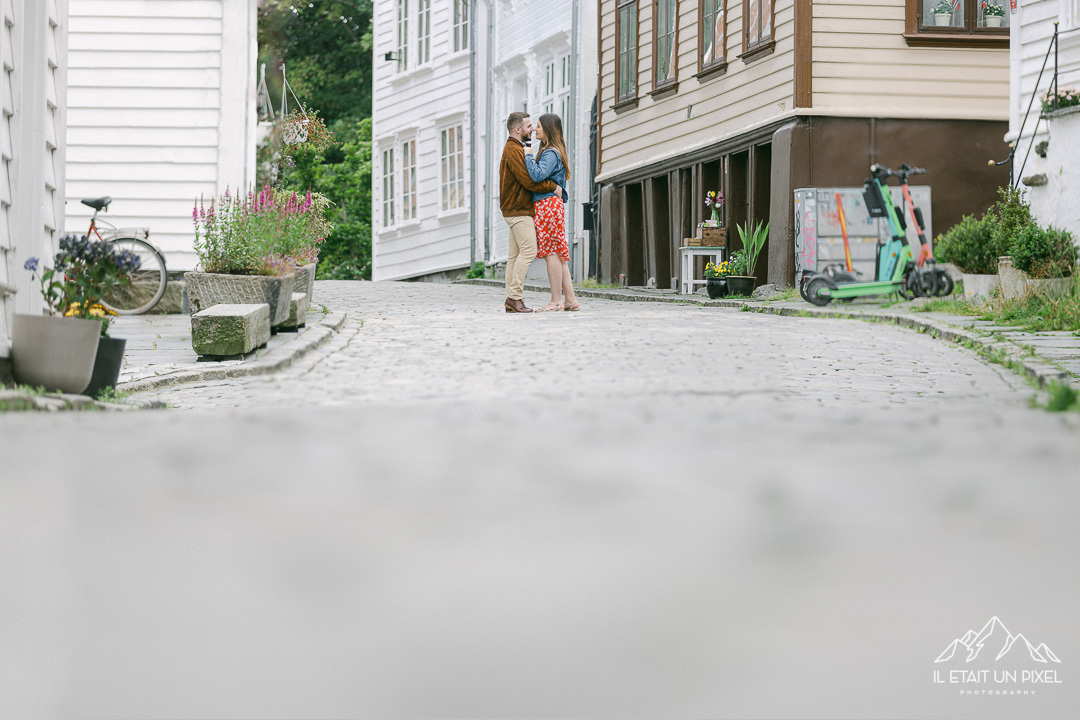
740,285
716,287
110,358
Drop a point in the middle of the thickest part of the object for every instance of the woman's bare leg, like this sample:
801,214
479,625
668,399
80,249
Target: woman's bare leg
567,284
554,271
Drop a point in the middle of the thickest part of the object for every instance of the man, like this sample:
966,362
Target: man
515,200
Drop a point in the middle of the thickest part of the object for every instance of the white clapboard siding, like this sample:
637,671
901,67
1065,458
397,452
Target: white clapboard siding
527,38
863,65
161,111
1032,36
416,105
7,155
748,95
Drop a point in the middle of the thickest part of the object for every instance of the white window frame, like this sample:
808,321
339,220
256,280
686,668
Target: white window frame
1070,14
403,35
389,191
409,197
460,27
423,32
452,167
566,71
548,101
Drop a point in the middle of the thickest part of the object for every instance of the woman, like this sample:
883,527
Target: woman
552,164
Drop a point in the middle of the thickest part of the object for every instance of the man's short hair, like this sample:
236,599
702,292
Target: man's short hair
516,119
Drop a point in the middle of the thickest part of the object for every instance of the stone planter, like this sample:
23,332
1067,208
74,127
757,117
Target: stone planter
109,360
1015,283
54,352
305,280
979,288
206,290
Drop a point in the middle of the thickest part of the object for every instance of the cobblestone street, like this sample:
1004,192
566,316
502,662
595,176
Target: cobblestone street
639,509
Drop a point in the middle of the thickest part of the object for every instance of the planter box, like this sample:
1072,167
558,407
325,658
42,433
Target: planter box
979,288
305,280
206,290
56,353
1015,283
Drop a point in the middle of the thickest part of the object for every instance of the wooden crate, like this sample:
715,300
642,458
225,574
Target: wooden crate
714,237
692,242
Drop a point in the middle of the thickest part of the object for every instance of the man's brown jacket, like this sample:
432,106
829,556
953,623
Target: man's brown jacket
515,185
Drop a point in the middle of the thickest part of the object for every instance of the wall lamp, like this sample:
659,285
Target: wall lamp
390,56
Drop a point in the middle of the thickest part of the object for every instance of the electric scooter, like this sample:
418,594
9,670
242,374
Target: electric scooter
898,271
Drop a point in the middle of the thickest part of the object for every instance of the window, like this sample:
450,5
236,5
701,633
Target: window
549,88
423,31
713,35
453,169
626,28
757,25
403,35
461,25
948,22
388,188
665,16
408,180
565,77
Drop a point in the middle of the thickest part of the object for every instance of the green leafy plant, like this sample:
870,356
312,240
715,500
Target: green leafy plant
738,262
1067,96
1010,217
1044,253
993,11
476,272
969,246
753,239
942,8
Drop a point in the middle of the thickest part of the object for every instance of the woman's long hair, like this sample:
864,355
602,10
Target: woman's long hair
553,137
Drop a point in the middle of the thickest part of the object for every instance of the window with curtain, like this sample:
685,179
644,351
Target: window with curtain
403,35
960,17
388,188
713,35
626,30
461,25
408,180
757,23
664,22
423,31
453,169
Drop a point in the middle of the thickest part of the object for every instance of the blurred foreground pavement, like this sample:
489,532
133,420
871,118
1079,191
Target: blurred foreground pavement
635,510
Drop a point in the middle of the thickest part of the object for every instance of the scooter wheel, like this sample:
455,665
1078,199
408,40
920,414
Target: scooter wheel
908,289
928,283
811,292
945,283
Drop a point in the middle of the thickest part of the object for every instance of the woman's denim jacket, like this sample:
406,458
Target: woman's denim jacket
549,167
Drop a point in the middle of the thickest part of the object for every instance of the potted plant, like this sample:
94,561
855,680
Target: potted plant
713,234
69,350
993,15
716,275
942,13
742,279
251,247
1042,262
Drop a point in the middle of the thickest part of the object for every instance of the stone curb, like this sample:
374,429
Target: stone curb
15,401
277,359
1039,370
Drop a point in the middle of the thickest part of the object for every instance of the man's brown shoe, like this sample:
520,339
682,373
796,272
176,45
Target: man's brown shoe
516,306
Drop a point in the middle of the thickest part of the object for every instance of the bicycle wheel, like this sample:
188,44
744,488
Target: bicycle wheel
147,283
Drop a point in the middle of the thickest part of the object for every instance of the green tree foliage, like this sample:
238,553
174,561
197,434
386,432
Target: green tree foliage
326,48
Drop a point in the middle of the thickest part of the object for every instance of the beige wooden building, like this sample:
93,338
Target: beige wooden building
761,97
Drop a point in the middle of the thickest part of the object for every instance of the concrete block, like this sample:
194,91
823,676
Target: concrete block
297,312
224,330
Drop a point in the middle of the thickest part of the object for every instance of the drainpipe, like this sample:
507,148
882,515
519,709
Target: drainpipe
472,134
487,130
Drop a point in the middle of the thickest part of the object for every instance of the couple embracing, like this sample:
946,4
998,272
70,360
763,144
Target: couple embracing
532,196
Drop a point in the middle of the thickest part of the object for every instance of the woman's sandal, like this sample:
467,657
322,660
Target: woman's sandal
549,307
571,308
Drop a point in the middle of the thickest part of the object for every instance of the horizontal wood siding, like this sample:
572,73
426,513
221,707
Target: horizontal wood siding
153,119
862,65
748,95
418,104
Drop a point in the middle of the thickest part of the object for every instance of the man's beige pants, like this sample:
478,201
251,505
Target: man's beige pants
522,253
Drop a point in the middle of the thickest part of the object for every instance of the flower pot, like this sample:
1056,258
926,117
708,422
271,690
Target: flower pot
110,358
305,280
716,287
993,20
208,289
54,352
941,19
979,287
740,285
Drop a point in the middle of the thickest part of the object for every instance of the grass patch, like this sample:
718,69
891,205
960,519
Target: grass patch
953,305
111,394
1062,398
592,284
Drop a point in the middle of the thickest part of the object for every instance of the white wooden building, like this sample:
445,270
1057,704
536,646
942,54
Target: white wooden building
1051,177
544,61
33,50
161,111
421,194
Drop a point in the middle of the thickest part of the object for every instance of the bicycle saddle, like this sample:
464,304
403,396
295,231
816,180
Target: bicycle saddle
98,203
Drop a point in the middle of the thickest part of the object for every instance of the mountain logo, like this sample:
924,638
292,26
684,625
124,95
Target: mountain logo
994,639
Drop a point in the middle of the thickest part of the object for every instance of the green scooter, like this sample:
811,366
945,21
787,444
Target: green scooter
897,270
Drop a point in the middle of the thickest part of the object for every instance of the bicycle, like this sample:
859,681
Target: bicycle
148,283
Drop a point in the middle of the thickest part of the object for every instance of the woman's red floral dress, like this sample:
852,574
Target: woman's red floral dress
551,229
